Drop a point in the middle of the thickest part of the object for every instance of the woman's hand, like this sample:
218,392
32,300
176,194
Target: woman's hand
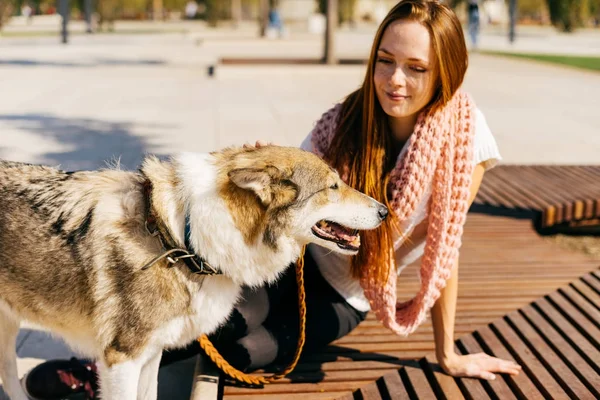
259,144
480,365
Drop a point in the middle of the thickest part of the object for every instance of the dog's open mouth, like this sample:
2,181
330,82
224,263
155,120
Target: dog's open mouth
345,238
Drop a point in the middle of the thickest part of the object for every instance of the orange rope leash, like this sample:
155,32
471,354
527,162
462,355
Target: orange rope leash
224,366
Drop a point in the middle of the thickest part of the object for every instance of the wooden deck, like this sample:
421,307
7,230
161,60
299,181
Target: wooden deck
504,266
556,339
559,197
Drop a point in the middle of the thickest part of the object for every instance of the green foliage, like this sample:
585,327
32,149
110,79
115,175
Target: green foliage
217,10
589,9
595,8
562,14
7,8
567,15
129,8
174,4
584,62
531,8
345,9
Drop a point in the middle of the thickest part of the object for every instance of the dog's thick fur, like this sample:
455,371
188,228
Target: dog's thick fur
72,246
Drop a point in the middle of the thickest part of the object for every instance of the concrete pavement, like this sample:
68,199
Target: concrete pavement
111,96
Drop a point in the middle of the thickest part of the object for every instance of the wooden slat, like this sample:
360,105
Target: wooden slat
505,193
394,386
472,388
548,189
521,383
586,349
568,354
418,381
527,198
544,190
588,293
572,184
531,365
370,392
335,376
570,191
592,282
295,396
583,324
559,194
306,388
583,304
553,363
445,383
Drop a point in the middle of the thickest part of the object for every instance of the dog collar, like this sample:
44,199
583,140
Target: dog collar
173,254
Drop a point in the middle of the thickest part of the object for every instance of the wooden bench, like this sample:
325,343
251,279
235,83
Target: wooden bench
561,198
556,339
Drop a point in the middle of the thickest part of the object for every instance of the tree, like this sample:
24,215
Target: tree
7,8
562,14
567,15
345,9
217,10
108,11
532,9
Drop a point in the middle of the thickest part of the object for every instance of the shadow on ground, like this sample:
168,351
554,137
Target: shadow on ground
309,369
92,63
88,143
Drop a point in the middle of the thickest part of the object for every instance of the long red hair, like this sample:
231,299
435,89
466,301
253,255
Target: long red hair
363,141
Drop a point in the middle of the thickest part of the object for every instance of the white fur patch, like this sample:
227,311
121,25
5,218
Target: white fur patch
9,328
218,239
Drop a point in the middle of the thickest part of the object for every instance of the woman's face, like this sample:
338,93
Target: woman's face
405,67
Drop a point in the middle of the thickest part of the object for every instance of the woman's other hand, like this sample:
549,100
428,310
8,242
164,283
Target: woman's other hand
480,365
258,144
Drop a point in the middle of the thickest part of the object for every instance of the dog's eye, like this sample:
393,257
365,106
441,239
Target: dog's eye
334,186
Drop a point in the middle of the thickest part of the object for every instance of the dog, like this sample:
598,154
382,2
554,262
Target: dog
124,264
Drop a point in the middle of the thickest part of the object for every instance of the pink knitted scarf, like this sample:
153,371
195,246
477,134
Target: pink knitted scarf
439,153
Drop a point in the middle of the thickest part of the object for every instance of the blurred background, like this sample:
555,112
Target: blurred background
115,79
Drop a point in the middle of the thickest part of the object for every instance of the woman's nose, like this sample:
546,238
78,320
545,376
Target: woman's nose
398,77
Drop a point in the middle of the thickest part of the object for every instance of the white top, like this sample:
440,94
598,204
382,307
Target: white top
335,267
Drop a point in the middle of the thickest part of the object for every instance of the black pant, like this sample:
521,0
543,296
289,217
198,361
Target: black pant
328,317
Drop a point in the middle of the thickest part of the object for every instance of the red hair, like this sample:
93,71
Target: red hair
363,142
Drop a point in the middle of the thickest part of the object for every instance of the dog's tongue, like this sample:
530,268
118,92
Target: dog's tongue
341,232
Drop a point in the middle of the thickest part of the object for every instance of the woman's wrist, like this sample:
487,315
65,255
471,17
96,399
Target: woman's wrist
446,358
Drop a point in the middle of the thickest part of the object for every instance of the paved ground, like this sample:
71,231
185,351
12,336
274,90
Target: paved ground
140,93
120,96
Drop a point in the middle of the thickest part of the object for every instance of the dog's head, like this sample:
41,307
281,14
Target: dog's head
296,196
279,199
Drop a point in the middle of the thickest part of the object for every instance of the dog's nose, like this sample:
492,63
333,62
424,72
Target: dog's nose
383,212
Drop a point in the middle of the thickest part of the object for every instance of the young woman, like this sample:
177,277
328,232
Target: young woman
410,138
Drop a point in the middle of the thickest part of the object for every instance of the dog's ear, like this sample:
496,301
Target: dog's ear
256,180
